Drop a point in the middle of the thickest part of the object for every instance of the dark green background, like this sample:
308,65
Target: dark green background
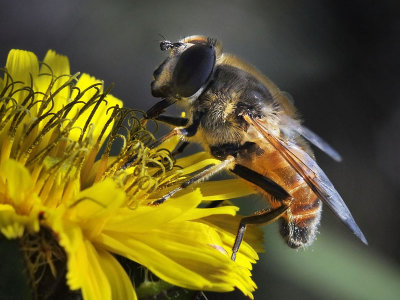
339,61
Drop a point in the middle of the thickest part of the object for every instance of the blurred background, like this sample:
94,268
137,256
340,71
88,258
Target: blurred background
338,59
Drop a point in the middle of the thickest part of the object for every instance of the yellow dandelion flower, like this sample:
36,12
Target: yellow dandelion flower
74,205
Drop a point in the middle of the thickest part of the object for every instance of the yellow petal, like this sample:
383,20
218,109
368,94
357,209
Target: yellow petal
55,71
88,274
12,225
158,261
195,162
17,181
84,268
170,144
98,201
58,63
225,189
183,254
97,114
70,238
121,285
102,115
17,177
227,227
22,65
229,224
98,274
187,161
198,213
145,218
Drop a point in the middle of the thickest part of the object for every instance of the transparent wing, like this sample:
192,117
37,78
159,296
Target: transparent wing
312,137
319,142
311,172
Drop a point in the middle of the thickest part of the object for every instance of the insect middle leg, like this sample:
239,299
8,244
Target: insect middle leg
203,175
190,131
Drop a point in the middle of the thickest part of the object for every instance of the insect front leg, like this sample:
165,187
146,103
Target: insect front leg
188,131
157,109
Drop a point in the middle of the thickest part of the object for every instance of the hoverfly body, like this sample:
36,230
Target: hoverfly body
245,121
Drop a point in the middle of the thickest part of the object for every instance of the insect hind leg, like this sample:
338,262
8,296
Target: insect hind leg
266,216
263,217
265,183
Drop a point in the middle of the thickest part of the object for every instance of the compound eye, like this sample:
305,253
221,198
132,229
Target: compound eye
193,69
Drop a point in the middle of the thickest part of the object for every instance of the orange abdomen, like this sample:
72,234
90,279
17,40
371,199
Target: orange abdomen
298,226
